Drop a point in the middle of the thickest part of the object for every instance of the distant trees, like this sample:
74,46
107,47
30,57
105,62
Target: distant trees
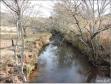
6,19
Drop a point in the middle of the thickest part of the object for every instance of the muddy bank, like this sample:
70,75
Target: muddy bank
33,49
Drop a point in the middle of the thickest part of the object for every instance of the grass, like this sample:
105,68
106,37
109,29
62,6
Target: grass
34,37
8,36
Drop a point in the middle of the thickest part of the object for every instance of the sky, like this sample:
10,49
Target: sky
43,8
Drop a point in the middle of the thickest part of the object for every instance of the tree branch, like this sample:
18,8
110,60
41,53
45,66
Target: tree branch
101,30
13,9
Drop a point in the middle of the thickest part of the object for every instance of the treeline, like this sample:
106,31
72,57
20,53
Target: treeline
35,24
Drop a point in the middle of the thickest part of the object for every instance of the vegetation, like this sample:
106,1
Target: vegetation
86,24
79,19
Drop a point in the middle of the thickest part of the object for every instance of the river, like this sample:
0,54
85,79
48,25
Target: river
63,64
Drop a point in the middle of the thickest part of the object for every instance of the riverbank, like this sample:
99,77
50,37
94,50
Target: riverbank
33,46
56,62
102,64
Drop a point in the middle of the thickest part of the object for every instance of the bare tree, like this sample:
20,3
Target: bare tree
30,19
89,19
18,7
92,13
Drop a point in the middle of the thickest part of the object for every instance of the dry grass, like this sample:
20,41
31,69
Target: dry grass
34,37
6,51
105,38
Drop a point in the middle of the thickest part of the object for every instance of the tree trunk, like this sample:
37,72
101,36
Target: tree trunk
20,46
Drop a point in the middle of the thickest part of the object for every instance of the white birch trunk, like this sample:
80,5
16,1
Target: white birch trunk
20,46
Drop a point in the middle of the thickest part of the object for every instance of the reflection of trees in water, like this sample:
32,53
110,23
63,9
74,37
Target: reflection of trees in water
65,56
92,74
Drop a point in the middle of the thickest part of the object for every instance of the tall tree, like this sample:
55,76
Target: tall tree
18,7
87,16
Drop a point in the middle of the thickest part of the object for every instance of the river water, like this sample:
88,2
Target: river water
62,65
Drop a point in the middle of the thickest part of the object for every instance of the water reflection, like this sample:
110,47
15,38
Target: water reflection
62,65
58,64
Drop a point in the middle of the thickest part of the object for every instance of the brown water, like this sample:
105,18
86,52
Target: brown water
63,65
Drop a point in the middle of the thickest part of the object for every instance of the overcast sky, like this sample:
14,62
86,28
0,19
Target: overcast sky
43,8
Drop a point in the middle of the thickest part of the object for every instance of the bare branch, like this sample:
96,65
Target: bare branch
101,30
9,6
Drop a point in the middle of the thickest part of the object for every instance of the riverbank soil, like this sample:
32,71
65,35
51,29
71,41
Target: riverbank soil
33,46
